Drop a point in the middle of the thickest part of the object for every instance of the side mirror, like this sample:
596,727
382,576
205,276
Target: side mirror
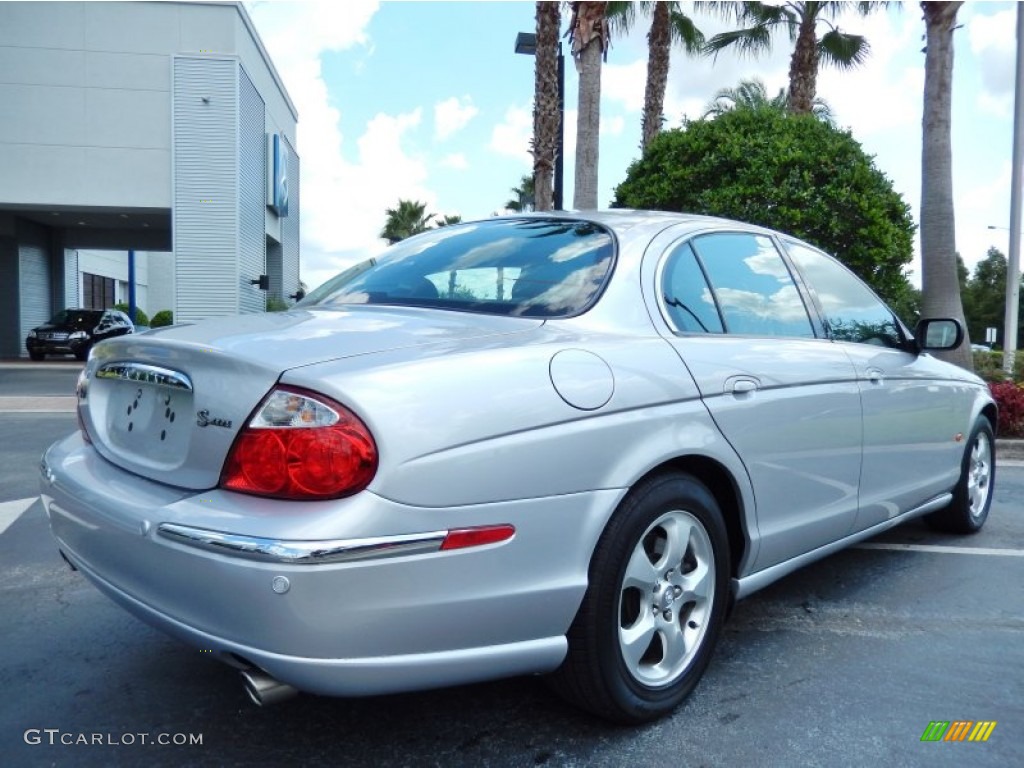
939,334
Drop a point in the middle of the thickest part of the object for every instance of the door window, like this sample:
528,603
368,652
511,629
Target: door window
852,311
752,285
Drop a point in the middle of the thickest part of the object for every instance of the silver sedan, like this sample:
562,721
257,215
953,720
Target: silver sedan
551,443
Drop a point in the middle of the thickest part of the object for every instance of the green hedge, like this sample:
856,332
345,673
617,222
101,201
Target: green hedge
141,318
162,318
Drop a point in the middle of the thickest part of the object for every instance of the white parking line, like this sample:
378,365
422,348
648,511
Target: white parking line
943,550
12,510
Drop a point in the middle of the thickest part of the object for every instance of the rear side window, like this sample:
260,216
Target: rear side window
852,311
752,285
687,296
532,267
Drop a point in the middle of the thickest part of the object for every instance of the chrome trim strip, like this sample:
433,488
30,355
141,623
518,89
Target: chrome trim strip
146,374
747,585
303,552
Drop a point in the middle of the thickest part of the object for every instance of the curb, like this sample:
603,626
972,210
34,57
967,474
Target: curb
1010,449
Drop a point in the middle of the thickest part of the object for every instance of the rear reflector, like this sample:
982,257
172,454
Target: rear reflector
461,538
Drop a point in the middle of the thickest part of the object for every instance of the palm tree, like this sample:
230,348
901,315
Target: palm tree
669,24
447,220
800,20
752,94
588,34
939,281
407,219
547,116
523,196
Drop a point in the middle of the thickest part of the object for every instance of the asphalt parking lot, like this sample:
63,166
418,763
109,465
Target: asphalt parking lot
843,663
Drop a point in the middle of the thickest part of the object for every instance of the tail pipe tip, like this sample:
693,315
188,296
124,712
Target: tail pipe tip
264,690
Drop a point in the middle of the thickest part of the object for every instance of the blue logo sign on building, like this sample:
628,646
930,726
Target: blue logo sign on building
277,199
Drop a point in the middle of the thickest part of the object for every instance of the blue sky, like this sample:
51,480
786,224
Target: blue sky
428,101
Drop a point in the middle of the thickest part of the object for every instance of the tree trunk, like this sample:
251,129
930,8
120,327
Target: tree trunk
803,68
659,44
546,116
588,125
589,36
939,280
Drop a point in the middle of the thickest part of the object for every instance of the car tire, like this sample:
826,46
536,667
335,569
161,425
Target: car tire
972,496
655,604
82,354
37,356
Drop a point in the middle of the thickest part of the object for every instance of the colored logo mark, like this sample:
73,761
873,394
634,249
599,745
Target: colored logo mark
958,730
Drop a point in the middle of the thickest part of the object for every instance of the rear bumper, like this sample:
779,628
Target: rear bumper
351,627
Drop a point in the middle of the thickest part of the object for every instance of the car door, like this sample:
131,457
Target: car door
786,399
913,411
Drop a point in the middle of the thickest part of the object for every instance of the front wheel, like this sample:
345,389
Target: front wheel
655,603
972,496
37,356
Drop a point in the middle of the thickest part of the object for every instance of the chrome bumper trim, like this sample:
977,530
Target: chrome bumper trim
303,552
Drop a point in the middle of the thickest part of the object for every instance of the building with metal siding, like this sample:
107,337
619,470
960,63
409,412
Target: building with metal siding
141,126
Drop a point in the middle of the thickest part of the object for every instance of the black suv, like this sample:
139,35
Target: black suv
74,331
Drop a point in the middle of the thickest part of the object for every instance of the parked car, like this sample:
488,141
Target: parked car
74,331
549,443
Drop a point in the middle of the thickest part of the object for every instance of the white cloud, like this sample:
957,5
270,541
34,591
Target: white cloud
512,136
343,202
457,161
993,44
612,126
452,115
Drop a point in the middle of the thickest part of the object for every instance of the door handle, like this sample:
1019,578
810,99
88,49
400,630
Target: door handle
741,385
876,375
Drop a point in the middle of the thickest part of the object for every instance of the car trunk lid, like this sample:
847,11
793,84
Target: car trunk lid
173,400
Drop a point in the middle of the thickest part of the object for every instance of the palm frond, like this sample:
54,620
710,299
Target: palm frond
747,42
684,31
842,50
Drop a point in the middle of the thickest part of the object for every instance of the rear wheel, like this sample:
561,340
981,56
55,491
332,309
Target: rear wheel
972,496
655,603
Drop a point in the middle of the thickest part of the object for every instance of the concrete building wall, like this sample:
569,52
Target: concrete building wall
145,115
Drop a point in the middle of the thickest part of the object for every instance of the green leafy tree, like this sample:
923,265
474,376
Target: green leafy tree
800,21
447,221
984,297
408,218
788,172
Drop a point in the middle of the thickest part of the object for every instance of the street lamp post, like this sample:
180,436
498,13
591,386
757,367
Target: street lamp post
526,43
1013,258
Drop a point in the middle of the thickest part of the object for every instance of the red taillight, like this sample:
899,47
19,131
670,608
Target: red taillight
301,445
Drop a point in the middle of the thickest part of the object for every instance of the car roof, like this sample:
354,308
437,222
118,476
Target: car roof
626,221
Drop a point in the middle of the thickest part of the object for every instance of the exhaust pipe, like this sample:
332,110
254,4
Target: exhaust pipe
265,690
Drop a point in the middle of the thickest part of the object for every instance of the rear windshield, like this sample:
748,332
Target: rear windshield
518,267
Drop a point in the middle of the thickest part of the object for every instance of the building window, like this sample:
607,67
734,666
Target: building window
97,291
